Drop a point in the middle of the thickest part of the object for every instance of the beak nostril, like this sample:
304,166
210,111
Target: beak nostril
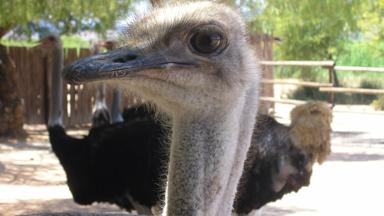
125,58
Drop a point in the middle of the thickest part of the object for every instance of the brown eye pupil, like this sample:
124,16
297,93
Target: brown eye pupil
206,43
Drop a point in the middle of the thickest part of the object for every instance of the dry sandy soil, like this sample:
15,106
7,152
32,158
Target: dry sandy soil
350,183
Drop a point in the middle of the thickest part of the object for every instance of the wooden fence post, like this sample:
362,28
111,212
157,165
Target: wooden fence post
335,83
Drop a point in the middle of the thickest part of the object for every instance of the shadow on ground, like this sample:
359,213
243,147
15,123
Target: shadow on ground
358,138
350,157
30,174
2,168
276,211
51,206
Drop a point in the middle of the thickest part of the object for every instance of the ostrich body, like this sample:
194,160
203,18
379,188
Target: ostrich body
196,65
117,163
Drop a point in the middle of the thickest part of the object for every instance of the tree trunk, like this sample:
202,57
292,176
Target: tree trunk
11,107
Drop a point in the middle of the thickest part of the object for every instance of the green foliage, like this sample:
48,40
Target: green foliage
69,15
316,29
355,53
309,29
359,53
362,53
68,42
349,31
371,22
18,43
74,42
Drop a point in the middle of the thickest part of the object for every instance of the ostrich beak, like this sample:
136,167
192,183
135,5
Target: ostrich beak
119,63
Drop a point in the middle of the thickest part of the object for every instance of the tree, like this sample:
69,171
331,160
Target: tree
309,29
69,16
371,22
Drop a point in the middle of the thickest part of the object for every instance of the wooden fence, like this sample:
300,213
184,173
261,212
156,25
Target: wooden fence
332,87
33,80
263,44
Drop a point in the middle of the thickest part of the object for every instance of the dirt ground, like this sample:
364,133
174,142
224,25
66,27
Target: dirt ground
350,183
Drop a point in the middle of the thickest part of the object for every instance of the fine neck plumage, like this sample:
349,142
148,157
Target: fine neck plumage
56,102
207,156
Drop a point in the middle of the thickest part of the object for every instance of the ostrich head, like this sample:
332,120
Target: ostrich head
194,62
311,130
50,41
175,53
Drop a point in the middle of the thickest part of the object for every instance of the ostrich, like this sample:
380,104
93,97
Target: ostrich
194,62
281,158
88,161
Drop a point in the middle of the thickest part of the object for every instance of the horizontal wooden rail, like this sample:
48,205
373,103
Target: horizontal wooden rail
352,90
360,69
283,101
294,82
299,63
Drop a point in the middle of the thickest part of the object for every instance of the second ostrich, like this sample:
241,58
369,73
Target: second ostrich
281,158
116,163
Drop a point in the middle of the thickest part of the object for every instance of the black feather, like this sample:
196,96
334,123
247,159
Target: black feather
114,161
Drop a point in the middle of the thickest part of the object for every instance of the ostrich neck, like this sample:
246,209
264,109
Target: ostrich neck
100,101
56,104
115,109
203,166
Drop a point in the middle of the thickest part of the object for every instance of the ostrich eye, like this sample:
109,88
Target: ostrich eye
206,42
